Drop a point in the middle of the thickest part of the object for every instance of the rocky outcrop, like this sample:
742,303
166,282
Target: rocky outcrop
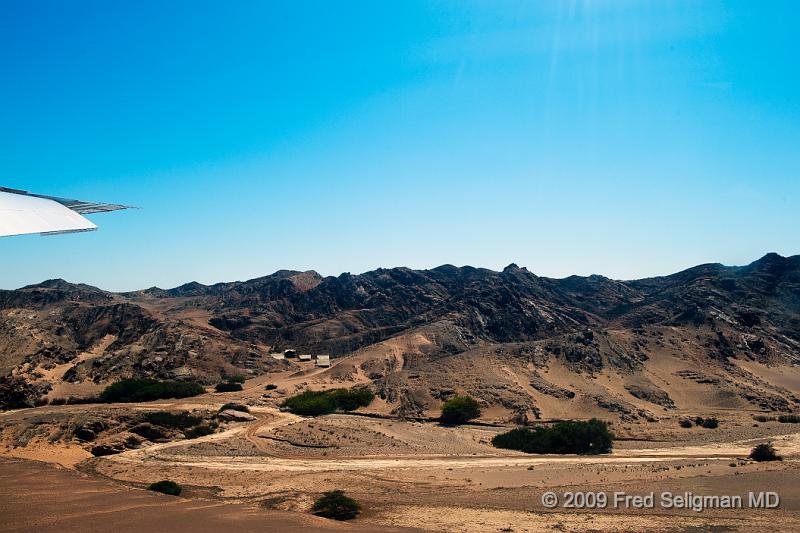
589,324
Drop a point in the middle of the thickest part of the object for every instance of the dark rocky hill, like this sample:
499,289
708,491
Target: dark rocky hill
60,332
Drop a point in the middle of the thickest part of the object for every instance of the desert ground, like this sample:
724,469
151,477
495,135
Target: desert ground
268,467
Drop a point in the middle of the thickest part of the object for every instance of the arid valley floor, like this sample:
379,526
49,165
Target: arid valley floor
712,341
408,474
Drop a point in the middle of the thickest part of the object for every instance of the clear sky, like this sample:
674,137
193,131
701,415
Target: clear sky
623,138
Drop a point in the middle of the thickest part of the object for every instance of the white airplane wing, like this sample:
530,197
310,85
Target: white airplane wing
22,213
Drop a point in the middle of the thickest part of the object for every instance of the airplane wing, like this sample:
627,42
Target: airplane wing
22,213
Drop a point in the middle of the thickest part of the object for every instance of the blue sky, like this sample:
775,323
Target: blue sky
623,138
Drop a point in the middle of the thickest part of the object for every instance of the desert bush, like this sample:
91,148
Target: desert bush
761,418
585,438
459,409
145,390
315,403
240,379
199,431
271,386
228,387
58,401
311,403
710,423
172,420
686,423
698,421
764,452
789,419
336,505
353,398
166,487
235,407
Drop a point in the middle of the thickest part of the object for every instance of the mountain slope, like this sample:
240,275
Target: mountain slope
525,345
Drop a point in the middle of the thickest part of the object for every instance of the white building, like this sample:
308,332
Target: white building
324,360
304,357
277,356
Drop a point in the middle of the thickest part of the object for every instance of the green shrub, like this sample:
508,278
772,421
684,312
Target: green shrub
789,419
310,403
200,431
236,379
235,407
172,420
228,387
698,421
585,438
337,506
710,423
686,423
145,390
764,452
166,487
459,409
315,403
761,418
352,399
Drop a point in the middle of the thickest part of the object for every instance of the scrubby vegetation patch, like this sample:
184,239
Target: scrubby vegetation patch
337,506
167,419
166,487
764,452
145,390
315,403
584,438
459,410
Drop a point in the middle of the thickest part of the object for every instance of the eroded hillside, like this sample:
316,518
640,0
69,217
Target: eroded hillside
525,346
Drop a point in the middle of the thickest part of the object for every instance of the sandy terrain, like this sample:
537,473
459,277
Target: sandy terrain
414,474
38,497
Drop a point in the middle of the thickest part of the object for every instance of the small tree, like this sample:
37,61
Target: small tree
764,452
166,487
686,423
459,410
337,506
710,423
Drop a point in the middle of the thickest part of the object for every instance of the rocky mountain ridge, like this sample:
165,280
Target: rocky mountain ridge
57,332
